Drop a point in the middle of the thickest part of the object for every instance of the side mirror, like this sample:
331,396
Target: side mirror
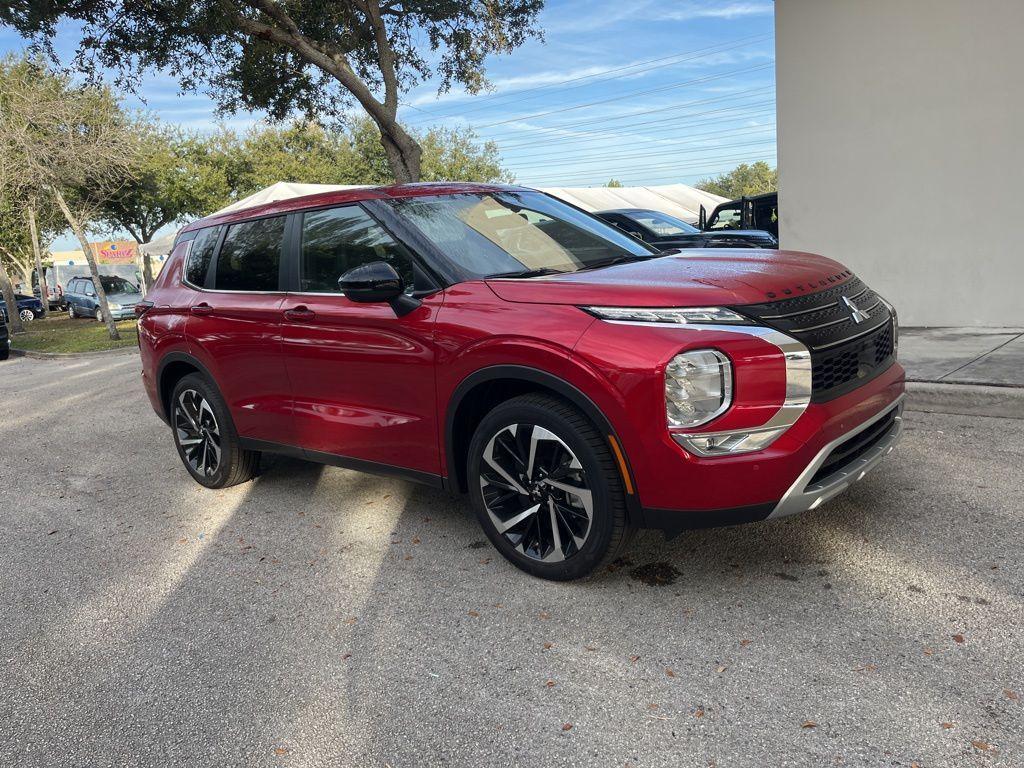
377,282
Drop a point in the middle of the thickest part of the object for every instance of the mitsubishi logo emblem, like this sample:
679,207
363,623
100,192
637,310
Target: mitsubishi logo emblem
857,314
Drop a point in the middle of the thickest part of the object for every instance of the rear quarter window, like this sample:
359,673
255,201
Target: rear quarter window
200,254
250,258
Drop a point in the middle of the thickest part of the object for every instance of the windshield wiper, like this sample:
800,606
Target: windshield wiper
621,260
540,272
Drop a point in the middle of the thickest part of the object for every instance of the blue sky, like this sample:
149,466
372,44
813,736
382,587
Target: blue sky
644,91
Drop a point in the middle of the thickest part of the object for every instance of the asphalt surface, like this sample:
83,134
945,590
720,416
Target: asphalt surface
321,617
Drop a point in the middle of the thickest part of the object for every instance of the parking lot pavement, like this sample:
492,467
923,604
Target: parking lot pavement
320,617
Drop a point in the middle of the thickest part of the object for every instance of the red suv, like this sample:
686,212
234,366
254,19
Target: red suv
496,341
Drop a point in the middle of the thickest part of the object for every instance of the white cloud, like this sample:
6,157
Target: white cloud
712,11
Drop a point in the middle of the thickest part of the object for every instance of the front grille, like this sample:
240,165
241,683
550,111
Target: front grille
844,353
846,453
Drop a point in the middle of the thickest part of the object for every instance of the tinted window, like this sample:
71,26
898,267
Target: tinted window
250,257
662,224
336,240
513,232
200,254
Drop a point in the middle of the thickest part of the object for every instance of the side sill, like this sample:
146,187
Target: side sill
672,522
345,462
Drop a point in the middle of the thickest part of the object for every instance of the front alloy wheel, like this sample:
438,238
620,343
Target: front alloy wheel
99,315
536,492
197,432
546,489
26,315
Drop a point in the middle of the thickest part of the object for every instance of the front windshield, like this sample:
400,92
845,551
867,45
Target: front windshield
662,224
118,285
512,233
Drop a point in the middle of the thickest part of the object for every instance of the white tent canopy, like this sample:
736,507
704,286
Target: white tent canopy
677,200
284,190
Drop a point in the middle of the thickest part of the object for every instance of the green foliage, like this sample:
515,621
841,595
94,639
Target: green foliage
744,179
613,183
176,176
288,57
307,153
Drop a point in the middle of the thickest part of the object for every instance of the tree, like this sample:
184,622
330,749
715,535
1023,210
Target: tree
306,152
613,183
288,56
175,176
743,180
70,142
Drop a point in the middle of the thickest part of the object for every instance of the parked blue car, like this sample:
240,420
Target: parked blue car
122,296
29,308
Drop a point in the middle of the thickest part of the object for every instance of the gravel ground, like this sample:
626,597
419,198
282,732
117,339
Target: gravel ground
321,617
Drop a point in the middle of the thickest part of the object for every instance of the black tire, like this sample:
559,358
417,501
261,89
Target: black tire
5,352
574,437
98,314
234,463
71,312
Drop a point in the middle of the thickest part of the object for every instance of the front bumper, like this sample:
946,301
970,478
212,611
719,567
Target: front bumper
813,488
838,464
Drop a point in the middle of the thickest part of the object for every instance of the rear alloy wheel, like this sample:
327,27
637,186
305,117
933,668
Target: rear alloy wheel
27,315
197,432
71,311
205,436
546,489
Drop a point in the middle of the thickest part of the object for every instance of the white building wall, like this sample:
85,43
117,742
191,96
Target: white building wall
901,149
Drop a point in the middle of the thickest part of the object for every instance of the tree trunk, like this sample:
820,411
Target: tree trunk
402,151
44,293
13,318
147,270
94,269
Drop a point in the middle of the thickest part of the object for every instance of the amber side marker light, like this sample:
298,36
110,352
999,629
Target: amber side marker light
622,463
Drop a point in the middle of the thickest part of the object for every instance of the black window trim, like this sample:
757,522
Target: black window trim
293,280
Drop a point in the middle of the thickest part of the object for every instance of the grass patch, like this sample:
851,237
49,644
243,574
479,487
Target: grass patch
58,333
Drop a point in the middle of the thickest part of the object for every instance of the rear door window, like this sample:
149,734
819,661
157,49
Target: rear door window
338,239
250,258
200,254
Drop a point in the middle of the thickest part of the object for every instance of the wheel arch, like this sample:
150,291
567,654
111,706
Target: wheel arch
482,389
173,368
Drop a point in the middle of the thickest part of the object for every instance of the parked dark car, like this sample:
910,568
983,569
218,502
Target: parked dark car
29,308
5,341
664,231
122,296
757,212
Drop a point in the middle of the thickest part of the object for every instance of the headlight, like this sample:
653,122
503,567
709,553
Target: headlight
679,316
113,306
698,387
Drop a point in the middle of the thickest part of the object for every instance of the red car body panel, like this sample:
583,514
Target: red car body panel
363,380
343,378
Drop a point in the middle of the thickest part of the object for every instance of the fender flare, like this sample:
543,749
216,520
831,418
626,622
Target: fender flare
179,357
533,376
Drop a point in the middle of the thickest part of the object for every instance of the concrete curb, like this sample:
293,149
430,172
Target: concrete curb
966,399
72,355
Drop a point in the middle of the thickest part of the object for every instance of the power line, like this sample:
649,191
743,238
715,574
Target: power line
623,133
666,146
667,155
548,88
668,168
631,95
605,120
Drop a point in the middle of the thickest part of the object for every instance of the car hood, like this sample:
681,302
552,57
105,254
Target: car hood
124,298
699,277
